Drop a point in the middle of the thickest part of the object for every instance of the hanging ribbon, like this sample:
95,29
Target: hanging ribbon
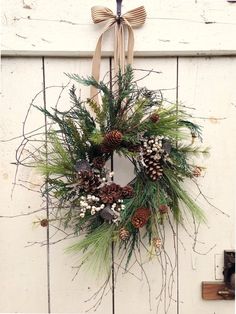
129,20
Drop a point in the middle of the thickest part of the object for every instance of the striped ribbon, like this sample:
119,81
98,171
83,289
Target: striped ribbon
129,20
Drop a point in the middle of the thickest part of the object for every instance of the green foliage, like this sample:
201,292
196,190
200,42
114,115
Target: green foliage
58,160
79,135
96,249
177,193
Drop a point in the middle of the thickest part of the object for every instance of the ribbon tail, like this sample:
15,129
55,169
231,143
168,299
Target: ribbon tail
96,62
119,51
116,51
122,49
130,50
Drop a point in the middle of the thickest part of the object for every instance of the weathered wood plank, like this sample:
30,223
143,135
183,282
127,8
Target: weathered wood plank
207,84
137,290
23,270
68,295
64,28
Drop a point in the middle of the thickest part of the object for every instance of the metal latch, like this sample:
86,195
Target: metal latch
229,275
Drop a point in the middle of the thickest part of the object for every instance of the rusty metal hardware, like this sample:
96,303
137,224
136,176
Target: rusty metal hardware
225,293
229,269
229,275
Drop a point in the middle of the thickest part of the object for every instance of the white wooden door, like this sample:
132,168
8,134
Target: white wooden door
38,278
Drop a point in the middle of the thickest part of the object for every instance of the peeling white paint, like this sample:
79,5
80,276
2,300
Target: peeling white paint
181,27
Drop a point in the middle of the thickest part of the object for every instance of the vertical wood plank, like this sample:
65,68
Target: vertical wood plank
133,288
68,295
208,85
23,270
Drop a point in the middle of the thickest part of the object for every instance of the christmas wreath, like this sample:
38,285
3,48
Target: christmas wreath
133,122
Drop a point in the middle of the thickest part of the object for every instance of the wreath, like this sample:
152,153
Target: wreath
157,138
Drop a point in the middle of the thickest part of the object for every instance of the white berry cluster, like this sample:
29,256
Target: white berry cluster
116,208
90,203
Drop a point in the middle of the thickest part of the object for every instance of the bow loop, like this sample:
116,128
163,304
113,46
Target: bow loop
136,17
101,14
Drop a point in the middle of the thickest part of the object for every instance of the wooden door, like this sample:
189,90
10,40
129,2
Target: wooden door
39,277
191,44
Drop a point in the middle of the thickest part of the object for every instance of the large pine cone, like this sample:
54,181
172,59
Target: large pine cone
111,141
140,217
154,153
88,181
110,193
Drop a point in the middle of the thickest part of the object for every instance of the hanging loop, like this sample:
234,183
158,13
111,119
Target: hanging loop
118,11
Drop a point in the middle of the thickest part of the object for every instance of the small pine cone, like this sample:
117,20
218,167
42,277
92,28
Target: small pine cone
110,193
140,217
157,243
98,162
197,171
88,181
124,234
111,141
154,117
163,209
127,191
194,136
44,223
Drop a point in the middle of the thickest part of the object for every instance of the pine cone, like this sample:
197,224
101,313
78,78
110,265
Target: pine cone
154,155
197,171
44,223
124,234
154,117
88,181
98,162
140,217
157,243
163,209
127,191
110,193
111,141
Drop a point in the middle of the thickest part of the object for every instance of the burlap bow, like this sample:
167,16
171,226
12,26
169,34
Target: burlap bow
132,18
